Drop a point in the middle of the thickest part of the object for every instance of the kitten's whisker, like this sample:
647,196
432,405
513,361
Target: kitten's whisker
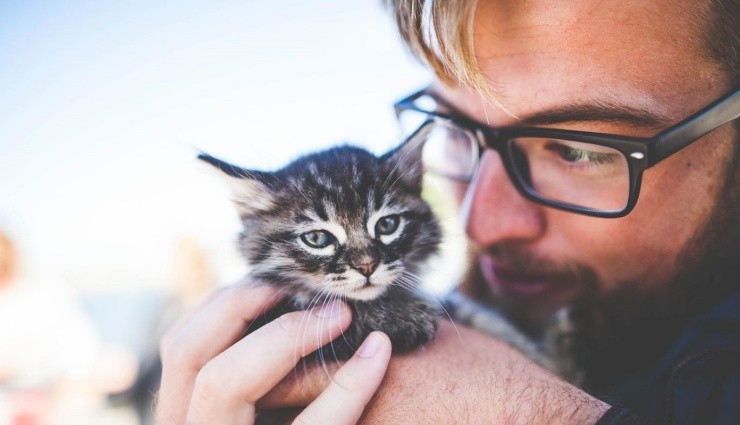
301,192
453,277
408,170
331,297
306,311
317,297
335,297
322,358
399,162
336,357
414,282
312,303
263,311
343,299
406,285
384,186
344,337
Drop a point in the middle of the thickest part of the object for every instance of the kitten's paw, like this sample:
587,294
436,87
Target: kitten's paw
408,322
412,326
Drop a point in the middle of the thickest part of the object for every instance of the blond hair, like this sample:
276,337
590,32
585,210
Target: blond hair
440,34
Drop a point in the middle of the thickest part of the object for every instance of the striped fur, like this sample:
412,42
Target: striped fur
347,192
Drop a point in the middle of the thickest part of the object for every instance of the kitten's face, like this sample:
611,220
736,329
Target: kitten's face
340,222
355,252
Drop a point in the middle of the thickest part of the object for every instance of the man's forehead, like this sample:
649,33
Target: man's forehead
546,55
511,18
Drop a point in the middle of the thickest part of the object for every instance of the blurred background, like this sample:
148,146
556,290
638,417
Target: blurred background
111,229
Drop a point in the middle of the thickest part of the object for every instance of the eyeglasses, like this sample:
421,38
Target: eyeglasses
595,174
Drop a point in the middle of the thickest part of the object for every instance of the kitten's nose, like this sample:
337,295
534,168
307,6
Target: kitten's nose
365,265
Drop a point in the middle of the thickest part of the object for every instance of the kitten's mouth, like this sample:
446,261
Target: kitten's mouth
366,292
362,288
368,286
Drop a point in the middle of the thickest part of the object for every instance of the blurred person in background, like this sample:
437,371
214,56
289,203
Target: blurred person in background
49,349
8,261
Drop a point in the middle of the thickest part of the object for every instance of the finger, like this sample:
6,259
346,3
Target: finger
245,283
228,386
300,387
353,385
210,330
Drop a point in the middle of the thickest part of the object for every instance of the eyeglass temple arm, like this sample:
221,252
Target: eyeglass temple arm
681,135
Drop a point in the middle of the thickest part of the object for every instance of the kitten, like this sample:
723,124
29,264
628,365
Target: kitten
343,224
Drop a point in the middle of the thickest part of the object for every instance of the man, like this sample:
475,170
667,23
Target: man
651,278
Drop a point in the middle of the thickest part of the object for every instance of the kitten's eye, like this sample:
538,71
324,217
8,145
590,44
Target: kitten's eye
318,238
387,225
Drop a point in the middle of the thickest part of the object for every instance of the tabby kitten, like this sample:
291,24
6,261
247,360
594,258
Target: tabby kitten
342,224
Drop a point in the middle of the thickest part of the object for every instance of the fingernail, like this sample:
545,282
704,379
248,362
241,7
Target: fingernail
372,344
333,309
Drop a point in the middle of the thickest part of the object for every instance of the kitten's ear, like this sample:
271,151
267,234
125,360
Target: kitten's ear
248,187
404,163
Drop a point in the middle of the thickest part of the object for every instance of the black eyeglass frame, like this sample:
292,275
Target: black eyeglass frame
640,153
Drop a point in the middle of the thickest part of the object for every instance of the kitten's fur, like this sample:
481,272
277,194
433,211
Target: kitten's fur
354,199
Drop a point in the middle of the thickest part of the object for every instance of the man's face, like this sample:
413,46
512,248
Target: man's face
545,55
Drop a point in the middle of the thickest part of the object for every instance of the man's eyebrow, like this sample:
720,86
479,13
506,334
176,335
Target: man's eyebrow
608,112
597,111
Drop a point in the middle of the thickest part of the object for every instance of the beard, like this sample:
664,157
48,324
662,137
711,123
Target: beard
630,329
607,336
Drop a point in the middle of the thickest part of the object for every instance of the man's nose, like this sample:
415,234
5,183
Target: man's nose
494,211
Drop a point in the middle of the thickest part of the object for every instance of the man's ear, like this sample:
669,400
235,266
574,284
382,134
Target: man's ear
251,194
404,163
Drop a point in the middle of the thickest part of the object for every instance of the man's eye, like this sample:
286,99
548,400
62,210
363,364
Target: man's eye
583,156
318,238
387,225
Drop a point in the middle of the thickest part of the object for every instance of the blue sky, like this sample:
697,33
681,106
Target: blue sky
103,103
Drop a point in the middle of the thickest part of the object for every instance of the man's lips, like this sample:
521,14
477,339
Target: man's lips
516,284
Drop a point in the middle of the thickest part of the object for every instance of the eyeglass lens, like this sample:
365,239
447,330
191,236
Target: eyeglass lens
562,171
573,173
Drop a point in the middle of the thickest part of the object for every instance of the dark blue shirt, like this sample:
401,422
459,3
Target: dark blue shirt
697,381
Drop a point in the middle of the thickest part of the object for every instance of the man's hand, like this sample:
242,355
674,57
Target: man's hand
213,376
461,377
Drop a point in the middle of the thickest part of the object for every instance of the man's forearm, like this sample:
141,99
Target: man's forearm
461,377
474,379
